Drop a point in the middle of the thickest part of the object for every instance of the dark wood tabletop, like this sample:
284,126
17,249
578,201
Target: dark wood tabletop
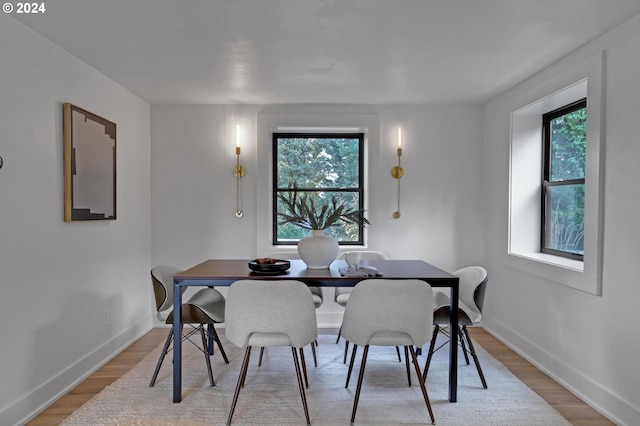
223,272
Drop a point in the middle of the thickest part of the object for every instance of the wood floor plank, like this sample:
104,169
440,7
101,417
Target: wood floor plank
102,378
568,405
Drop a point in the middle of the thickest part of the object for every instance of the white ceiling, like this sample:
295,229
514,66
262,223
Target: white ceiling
323,51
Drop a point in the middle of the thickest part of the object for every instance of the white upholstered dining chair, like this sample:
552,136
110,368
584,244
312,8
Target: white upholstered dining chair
383,312
266,314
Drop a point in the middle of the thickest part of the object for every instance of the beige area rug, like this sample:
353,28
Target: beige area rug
271,395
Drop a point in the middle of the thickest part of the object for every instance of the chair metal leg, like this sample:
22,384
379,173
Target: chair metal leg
315,356
165,349
461,339
245,373
304,367
346,349
432,345
353,357
398,352
360,377
300,386
406,357
213,333
210,339
339,334
207,360
422,385
240,384
475,357
261,355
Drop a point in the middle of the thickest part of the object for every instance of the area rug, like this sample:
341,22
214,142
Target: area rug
271,396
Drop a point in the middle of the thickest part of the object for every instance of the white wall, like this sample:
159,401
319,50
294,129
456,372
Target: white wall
586,342
194,191
58,279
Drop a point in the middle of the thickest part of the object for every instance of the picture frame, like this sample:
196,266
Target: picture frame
89,166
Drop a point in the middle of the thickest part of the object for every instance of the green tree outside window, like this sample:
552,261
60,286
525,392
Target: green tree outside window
564,180
325,168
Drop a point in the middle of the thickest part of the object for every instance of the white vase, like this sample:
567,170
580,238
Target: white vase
318,250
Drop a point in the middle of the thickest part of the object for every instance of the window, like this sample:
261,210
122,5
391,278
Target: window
324,167
578,268
563,185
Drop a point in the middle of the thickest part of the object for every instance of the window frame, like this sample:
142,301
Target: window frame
547,118
360,190
560,85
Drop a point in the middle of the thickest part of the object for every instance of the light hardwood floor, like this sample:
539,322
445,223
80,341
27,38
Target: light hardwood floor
571,407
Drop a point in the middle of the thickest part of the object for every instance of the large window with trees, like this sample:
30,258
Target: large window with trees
562,241
326,172
563,186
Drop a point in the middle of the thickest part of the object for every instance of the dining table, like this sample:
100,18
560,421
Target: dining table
224,272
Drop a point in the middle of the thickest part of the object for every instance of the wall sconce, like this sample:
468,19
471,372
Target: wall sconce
238,172
397,172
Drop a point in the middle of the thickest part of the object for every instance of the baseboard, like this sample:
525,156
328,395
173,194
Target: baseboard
616,408
33,403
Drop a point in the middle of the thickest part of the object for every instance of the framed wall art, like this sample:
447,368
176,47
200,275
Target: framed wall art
89,166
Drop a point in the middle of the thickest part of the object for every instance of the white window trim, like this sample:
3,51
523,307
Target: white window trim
525,173
269,123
